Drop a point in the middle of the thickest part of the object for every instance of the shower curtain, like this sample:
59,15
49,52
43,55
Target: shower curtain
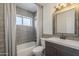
10,28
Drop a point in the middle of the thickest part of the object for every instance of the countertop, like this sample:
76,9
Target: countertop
65,42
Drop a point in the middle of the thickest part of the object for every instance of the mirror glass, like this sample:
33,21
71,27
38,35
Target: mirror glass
65,22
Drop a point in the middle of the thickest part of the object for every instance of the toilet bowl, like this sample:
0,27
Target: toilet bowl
38,51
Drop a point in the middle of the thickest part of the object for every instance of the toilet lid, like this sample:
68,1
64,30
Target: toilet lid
38,49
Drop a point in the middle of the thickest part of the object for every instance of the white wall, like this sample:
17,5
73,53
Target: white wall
48,10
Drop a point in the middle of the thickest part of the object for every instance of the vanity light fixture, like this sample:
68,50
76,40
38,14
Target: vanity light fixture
61,6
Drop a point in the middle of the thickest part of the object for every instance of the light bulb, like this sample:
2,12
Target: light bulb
64,4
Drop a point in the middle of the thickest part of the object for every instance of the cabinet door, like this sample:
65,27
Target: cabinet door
59,52
50,51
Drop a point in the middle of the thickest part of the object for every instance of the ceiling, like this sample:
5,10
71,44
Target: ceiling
42,4
32,7
27,6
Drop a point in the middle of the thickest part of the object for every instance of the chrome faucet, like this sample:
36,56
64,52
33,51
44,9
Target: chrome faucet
62,36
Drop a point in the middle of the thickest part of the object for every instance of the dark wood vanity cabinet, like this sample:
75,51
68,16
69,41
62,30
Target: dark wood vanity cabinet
53,49
50,51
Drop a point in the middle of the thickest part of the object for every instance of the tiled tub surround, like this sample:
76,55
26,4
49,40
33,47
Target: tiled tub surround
2,31
24,34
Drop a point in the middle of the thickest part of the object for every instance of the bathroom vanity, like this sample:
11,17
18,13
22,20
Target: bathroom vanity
65,32
60,47
65,25
53,49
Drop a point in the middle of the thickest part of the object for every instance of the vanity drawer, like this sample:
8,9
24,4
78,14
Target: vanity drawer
52,44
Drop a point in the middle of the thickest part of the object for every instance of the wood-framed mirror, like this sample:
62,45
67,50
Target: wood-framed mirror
66,22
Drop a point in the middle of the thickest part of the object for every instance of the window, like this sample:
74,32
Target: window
27,21
18,20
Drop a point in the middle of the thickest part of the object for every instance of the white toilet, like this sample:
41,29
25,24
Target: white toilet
38,51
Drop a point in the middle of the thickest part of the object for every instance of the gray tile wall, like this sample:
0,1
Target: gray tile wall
1,30
24,34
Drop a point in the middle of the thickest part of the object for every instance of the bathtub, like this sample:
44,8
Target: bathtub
25,49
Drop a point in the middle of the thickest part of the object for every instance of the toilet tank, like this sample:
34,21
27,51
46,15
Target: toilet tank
43,42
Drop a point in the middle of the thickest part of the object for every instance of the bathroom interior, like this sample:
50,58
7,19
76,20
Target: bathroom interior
39,29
